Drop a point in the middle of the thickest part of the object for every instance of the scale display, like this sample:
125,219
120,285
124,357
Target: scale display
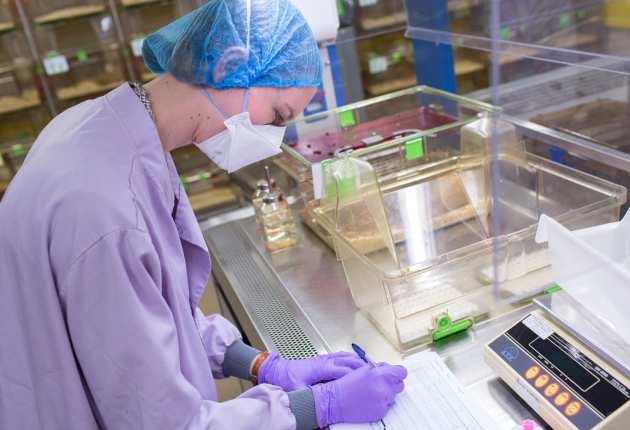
578,388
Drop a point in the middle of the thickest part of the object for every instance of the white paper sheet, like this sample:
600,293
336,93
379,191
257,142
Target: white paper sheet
433,400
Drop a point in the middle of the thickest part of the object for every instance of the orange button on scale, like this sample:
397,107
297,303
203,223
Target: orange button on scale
541,381
552,390
573,408
532,372
562,399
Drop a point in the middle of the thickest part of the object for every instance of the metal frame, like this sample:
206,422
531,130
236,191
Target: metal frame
434,61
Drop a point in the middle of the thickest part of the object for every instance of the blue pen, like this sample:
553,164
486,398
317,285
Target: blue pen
363,356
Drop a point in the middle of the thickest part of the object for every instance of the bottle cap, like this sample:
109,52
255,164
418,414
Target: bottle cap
262,185
271,198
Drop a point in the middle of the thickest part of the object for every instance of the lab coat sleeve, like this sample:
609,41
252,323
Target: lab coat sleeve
126,345
217,335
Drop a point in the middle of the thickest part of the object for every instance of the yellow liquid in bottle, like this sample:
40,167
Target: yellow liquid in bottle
278,227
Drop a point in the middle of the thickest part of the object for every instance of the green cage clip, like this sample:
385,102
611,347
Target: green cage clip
414,149
346,119
553,289
445,326
506,33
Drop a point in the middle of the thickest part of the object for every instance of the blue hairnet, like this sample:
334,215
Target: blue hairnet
210,46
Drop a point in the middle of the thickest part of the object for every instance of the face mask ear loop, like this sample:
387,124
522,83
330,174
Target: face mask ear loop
214,103
245,100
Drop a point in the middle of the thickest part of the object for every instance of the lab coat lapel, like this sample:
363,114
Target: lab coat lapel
193,244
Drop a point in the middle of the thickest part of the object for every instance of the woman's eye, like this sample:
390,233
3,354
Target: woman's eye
278,119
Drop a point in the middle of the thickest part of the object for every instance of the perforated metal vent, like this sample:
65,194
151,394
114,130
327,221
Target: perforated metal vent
264,297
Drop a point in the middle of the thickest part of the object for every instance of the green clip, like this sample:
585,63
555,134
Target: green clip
18,150
396,57
346,119
82,56
414,149
347,186
445,327
564,20
506,33
51,54
553,289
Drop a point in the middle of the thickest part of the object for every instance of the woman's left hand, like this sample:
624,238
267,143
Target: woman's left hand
294,374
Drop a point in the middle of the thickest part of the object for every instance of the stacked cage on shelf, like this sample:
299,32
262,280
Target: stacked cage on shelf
387,63
80,52
386,55
374,15
561,24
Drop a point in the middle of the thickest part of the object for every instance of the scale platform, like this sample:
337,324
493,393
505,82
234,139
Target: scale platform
591,331
567,365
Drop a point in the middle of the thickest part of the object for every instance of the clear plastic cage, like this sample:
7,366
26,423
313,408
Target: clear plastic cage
454,237
369,127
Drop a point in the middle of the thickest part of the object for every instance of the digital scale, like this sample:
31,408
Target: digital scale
566,365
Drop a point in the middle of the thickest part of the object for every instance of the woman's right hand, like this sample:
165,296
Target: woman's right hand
364,395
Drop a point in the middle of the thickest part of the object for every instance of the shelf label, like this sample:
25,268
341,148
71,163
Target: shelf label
136,46
364,3
378,65
56,64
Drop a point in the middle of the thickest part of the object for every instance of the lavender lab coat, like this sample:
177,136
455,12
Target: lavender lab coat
99,286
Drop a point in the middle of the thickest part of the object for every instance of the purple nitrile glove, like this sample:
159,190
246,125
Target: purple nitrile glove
360,397
294,374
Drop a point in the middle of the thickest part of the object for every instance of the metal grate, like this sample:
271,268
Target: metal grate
264,293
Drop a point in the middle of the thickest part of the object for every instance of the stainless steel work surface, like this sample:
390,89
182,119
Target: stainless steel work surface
308,297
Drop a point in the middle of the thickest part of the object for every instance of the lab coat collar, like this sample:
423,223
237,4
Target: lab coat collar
134,117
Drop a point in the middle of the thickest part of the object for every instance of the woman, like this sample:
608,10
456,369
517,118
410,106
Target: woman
102,262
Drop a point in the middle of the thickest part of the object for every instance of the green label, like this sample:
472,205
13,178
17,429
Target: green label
565,20
82,56
346,119
506,33
396,57
18,150
414,149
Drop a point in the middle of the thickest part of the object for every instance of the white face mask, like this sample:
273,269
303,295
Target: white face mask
242,143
